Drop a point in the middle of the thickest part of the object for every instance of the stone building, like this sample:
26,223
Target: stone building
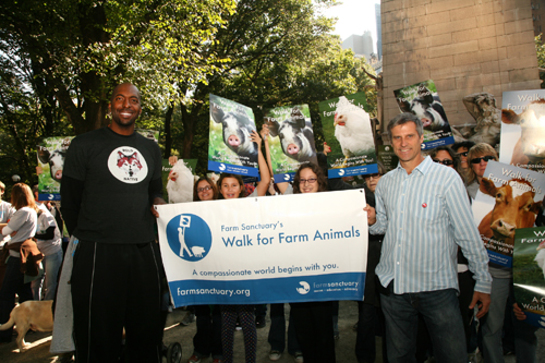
464,46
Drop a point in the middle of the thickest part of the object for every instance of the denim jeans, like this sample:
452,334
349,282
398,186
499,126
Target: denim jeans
277,331
525,338
52,265
441,313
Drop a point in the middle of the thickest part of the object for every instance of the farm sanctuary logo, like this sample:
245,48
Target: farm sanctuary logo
189,237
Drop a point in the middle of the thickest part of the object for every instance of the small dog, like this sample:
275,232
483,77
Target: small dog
35,315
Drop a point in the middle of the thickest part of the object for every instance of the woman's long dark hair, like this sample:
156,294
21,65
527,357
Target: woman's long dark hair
235,176
212,185
320,176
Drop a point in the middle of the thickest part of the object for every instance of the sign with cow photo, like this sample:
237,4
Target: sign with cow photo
349,135
51,154
522,141
178,180
422,100
231,149
529,274
291,140
509,198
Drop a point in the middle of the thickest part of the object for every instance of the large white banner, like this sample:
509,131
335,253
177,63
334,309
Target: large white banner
292,248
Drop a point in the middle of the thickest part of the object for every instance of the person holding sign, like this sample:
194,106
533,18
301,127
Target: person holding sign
111,180
423,210
312,320
231,187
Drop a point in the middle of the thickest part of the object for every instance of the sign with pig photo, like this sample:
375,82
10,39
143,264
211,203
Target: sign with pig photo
522,141
265,250
231,149
349,136
51,154
529,274
509,198
291,141
422,100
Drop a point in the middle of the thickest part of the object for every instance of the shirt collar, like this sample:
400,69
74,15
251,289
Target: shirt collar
423,167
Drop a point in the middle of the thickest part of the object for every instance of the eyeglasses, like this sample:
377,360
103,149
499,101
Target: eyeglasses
203,189
464,154
373,176
485,158
446,162
311,181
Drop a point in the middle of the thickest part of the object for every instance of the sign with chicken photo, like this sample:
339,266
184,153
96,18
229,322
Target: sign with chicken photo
509,198
422,100
178,180
529,273
291,140
522,141
349,136
230,148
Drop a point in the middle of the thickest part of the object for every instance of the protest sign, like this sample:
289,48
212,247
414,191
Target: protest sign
387,157
509,198
291,248
291,140
522,140
348,132
422,100
230,148
529,273
51,154
166,178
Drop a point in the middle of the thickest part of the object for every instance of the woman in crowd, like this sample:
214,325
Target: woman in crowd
24,222
446,156
478,156
207,339
462,149
312,320
6,211
231,187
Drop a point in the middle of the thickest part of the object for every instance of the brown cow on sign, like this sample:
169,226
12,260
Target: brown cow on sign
529,151
515,208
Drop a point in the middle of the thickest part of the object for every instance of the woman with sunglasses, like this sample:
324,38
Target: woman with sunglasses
446,156
478,156
462,149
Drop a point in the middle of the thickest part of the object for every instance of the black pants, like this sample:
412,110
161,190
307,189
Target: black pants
314,330
116,286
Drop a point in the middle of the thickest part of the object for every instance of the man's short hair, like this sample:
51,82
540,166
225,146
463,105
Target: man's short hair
121,84
403,119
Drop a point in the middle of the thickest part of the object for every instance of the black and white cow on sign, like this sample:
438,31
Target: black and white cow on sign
237,130
429,109
54,158
296,136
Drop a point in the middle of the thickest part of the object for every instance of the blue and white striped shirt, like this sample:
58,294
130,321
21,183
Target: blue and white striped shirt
426,216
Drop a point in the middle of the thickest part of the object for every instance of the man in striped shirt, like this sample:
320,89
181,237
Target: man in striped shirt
423,209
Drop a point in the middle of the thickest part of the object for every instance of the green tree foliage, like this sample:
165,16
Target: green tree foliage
280,53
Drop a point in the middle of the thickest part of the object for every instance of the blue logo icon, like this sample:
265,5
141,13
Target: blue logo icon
222,167
341,172
189,237
287,177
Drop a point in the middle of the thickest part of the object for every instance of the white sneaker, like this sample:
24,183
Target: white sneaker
274,355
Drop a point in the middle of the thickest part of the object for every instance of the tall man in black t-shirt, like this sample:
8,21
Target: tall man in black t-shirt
111,180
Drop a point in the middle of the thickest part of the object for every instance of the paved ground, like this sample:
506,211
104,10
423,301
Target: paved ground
40,342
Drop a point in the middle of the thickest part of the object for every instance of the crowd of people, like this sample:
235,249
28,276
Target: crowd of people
427,281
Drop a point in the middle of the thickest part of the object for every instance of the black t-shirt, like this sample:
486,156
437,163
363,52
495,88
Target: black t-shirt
116,172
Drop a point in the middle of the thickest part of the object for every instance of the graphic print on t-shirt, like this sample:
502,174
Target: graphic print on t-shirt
128,165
